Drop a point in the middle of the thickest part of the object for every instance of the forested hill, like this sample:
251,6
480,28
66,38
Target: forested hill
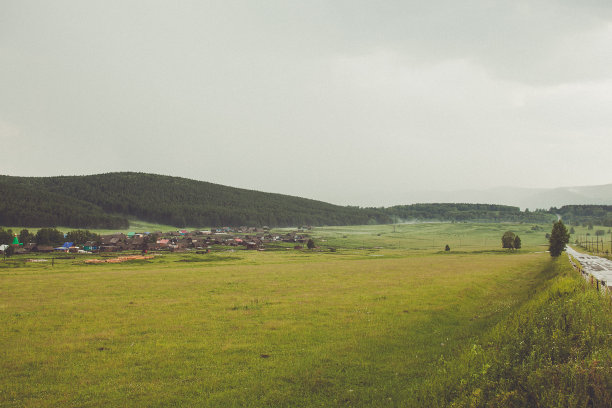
107,200
27,205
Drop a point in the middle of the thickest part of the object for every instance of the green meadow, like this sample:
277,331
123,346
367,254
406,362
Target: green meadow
377,322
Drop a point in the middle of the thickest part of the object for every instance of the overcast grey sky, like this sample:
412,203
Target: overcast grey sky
351,102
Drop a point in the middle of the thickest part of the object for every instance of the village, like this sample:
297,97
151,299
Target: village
248,238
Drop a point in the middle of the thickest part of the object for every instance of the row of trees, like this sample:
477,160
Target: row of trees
466,212
48,236
585,214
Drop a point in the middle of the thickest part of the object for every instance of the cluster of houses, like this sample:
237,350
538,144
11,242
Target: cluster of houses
176,241
20,248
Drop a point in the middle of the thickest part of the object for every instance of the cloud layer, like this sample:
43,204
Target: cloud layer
347,101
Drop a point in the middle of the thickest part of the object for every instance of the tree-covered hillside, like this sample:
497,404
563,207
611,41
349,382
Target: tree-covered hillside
162,199
107,200
30,206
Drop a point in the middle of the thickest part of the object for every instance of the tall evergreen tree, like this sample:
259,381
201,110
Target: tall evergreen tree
559,237
517,242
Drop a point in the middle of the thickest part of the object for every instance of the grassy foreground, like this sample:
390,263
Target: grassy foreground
555,351
373,324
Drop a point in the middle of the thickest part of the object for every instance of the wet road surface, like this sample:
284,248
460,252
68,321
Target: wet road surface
600,268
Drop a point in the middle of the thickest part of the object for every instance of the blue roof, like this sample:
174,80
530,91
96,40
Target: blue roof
67,244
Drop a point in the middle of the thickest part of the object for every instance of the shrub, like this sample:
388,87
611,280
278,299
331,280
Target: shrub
310,244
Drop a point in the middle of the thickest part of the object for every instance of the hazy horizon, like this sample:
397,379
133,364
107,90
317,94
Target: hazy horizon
351,103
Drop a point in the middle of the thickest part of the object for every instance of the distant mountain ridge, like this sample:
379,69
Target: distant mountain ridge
532,198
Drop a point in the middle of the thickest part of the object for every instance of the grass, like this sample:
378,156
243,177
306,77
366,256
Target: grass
556,350
368,325
581,234
425,237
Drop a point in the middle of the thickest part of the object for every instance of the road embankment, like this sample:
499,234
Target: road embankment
594,268
556,350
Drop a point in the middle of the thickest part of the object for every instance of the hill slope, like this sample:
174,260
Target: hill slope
29,206
105,200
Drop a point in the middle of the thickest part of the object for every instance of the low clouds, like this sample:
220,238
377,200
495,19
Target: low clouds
345,101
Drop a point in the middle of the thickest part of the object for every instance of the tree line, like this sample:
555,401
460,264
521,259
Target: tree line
48,236
467,212
585,214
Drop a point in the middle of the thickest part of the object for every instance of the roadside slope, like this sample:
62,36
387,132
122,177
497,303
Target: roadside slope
555,351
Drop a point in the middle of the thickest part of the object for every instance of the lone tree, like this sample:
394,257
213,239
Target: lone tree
508,240
310,244
559,237
447,248
517,242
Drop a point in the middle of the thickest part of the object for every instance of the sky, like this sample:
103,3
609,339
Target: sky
351,102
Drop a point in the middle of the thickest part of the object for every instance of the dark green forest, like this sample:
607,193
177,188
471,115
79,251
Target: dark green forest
27,205
585,214
108,200
105,200
467,212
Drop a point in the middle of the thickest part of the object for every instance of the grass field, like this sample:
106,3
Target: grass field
363,326
425,237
